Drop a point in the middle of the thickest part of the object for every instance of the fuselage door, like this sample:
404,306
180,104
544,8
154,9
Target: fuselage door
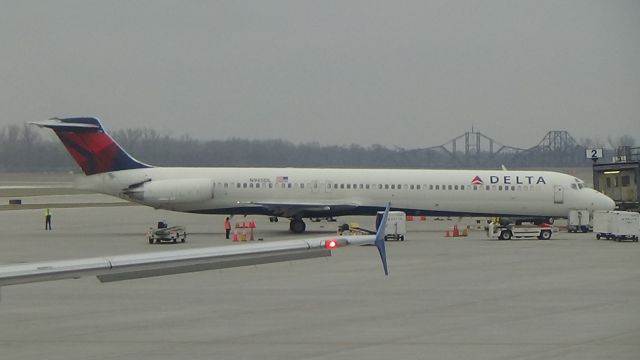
328,186
315,187
558,194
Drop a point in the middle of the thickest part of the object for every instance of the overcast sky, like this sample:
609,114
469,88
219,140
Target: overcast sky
405,73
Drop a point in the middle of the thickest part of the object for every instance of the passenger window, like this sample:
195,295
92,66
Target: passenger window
455,187
386,186
500,187
226,185
417,187
411,187
341,186
251,185
367,186
437,187
301,185
244,185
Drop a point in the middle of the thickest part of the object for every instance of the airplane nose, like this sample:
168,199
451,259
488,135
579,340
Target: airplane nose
609,203
603,202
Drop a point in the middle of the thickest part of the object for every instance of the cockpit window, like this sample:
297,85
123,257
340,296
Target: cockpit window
580,186
574,186
579,183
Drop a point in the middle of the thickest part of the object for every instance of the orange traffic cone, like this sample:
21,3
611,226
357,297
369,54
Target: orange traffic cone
456,232
235,235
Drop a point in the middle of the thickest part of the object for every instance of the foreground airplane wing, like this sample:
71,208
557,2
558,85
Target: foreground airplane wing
135,266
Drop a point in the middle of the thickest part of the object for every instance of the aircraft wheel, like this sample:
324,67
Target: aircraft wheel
545,235
297,226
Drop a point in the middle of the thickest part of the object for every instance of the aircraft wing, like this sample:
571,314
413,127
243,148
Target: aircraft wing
135,266
124,267
285,209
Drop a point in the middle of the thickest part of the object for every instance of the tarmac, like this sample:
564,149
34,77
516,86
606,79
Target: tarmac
571,297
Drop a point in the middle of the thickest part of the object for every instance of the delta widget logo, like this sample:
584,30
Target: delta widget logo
477,181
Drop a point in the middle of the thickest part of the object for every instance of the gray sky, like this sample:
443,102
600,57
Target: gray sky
406,73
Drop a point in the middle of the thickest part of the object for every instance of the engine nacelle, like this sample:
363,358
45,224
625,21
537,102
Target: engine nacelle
179,191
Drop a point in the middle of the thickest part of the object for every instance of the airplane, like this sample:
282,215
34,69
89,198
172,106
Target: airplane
150,264
299,193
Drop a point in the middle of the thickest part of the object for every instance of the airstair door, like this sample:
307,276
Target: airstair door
558,194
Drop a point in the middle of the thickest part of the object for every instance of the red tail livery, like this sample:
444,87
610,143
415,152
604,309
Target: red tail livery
90,146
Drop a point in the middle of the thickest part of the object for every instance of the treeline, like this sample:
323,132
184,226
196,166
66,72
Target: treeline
23,149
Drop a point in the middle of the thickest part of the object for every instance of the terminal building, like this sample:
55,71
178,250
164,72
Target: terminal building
620,179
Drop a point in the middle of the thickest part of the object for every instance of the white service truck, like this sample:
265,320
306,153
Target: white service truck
396,227
579,221
616,225
507,232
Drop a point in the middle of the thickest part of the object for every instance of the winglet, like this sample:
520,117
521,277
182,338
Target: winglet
380,239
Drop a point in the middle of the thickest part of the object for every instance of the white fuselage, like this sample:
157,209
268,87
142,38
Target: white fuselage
332,192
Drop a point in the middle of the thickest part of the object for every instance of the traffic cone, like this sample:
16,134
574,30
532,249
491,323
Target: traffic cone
446,234
456,232
244,235
235,235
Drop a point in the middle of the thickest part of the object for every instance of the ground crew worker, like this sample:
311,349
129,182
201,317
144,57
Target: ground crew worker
227,227
47,219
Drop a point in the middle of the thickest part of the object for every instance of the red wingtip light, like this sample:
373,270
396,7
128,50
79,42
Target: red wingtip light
331,244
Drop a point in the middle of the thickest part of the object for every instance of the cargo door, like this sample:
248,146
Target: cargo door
558,194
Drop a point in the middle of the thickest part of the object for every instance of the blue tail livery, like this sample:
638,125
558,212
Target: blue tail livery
380,239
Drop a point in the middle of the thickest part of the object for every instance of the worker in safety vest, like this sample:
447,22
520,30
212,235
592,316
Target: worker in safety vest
227,227
47,219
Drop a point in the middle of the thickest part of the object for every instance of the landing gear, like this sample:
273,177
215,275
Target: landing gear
297,226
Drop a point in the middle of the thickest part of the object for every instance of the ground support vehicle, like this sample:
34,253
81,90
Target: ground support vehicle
616,225
579,221
165,233
508,232
396,228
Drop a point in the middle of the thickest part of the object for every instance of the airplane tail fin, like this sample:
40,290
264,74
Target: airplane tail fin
90,145
379,243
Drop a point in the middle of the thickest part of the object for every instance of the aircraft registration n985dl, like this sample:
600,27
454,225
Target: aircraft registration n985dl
298,193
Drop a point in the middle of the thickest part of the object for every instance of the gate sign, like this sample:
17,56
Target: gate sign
594,154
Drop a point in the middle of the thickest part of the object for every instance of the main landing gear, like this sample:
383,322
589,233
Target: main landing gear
297,226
